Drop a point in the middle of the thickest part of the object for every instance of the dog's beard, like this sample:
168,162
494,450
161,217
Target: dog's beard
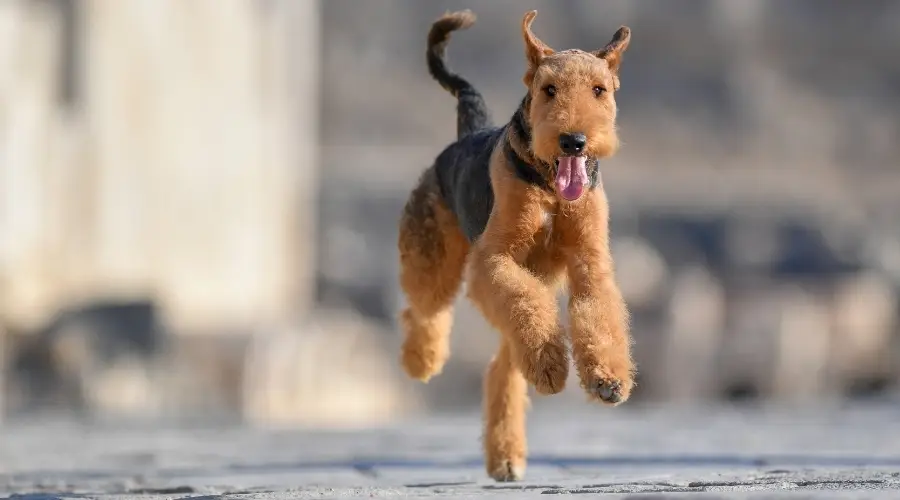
571,177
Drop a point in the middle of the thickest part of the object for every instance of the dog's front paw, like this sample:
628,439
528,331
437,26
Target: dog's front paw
609,390
422,363
546,368
609,383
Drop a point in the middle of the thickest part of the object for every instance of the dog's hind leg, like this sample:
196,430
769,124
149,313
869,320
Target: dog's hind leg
432,259
505,402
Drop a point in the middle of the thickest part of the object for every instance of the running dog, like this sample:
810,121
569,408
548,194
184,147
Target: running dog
517,211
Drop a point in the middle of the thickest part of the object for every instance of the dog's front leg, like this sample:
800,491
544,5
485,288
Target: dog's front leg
513,300
601,343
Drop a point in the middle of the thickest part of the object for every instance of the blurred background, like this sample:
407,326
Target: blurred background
199,200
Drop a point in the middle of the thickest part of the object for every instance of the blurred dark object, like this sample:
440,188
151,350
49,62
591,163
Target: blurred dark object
54,368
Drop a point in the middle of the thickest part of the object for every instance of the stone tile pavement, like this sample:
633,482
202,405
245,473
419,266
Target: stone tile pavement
622,453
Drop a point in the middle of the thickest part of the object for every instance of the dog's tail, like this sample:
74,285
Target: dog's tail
472,112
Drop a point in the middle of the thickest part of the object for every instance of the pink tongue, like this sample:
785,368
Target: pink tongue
571,177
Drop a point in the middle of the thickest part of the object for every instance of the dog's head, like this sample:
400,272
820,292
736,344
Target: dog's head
572,112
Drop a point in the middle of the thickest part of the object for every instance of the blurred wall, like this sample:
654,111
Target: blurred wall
158,171
152,150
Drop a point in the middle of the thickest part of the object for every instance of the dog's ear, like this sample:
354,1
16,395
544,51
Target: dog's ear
535,49
613,51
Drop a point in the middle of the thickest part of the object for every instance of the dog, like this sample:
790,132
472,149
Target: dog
518,211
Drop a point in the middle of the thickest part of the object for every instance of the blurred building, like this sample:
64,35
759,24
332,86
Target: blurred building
156,157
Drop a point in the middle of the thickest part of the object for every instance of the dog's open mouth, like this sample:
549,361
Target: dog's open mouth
571,177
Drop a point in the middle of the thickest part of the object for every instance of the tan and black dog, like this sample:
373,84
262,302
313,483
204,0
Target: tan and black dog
518,211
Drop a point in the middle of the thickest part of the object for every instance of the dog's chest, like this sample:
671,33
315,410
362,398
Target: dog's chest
547,218
548,221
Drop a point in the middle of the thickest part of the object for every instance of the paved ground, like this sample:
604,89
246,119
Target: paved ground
622,453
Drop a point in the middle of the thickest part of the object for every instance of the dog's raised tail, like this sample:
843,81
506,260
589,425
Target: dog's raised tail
472,113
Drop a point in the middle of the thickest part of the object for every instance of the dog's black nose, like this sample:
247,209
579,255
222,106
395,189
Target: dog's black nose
572,144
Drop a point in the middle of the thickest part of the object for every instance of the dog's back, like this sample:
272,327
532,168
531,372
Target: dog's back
461,169
463,175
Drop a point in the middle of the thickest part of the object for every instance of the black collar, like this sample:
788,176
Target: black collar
525,171
530,175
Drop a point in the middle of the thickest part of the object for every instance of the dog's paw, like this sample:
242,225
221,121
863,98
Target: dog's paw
608,388
547,368
425,348
507,470
421,363
608,391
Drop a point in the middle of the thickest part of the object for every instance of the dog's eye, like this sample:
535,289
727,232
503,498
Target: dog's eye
550,90
598,90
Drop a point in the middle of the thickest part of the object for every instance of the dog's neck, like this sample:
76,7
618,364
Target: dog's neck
517,149
519,134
